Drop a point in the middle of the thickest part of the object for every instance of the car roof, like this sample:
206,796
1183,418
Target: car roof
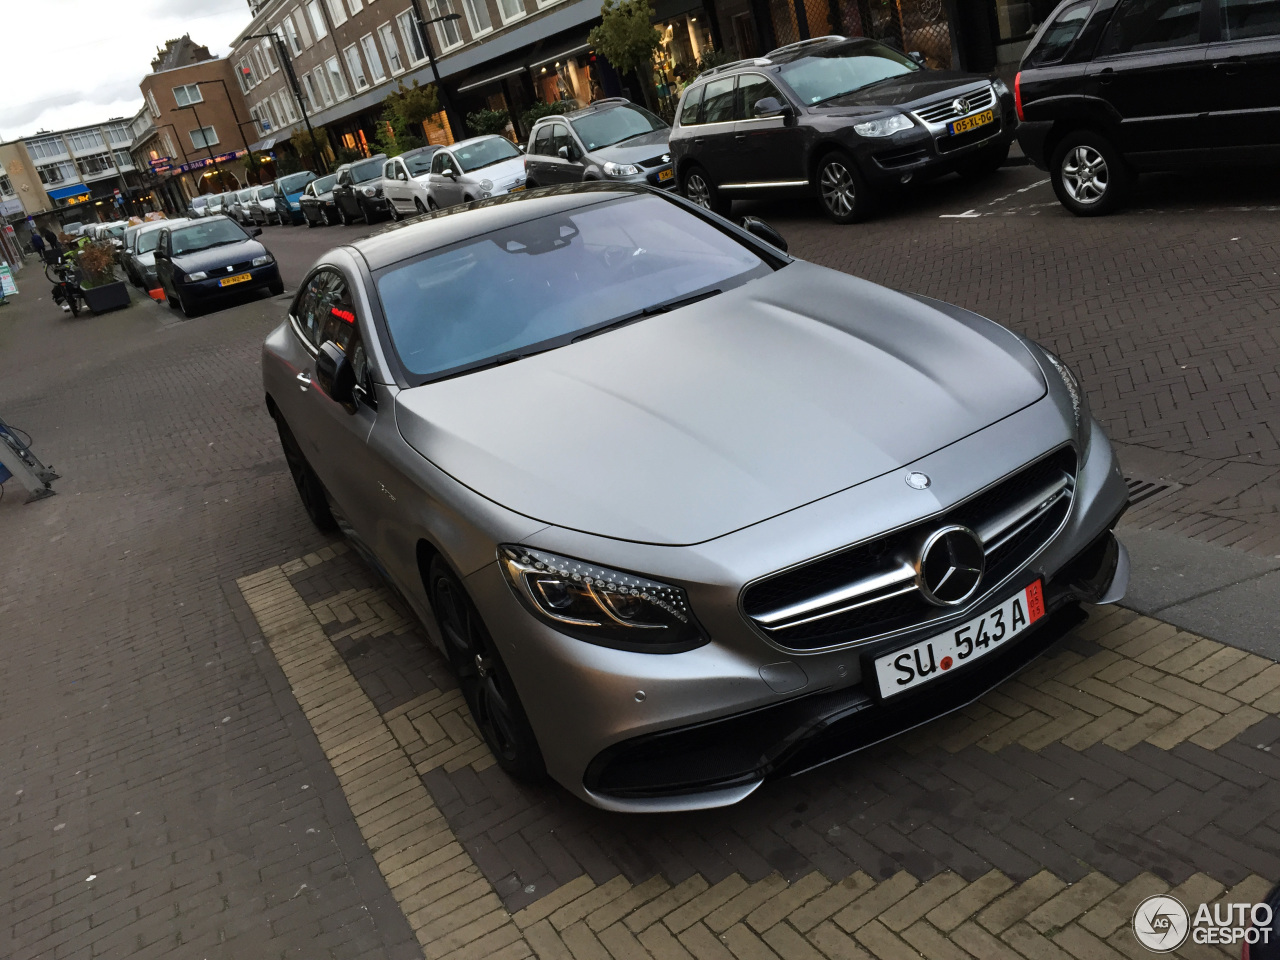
597,106
411,238
429,148
159,224
788,53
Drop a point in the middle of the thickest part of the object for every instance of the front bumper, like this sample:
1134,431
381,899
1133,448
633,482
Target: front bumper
598,712
204,291
923,153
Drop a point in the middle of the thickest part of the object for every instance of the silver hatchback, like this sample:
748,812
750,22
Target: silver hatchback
682,511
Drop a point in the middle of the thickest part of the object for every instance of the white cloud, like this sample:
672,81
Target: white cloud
72,62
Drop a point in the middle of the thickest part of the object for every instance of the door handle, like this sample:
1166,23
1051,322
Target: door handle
739,136
1107,75
304,381
699,139
1230,67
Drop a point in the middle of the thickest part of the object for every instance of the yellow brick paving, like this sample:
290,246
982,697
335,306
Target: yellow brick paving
1149,682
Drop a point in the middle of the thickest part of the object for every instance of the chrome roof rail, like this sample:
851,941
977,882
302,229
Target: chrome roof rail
800,44
751,62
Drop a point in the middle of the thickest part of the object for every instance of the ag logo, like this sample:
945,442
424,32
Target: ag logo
1160,923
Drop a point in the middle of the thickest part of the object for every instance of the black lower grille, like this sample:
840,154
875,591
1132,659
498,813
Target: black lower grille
910,609
891,159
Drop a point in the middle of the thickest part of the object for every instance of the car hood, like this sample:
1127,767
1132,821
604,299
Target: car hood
692,424
647,147
219,256
907,89
498,173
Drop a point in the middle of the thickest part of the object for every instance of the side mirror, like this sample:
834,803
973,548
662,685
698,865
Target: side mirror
917,56
563,153
770,107
255,232
762,231
336,376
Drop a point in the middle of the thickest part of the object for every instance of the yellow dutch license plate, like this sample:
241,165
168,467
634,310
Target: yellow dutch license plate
238,278
972,123
664,175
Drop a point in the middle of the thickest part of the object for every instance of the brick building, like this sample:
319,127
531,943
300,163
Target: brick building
195,128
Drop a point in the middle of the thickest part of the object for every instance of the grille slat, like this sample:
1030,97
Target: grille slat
817,605
944,112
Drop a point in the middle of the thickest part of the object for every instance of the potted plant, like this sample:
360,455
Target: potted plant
103,291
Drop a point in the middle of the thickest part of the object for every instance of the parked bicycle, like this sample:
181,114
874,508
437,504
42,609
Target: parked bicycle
66,285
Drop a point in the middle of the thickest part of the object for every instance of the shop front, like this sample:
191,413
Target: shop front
686,37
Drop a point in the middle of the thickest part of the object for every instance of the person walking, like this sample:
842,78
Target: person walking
37,244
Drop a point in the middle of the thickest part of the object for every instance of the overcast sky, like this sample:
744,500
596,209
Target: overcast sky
74,62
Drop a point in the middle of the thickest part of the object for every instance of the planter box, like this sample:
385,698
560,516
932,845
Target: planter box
109,296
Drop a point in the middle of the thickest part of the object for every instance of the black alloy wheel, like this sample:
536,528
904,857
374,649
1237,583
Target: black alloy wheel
175,303
1089,176
842,190
310,490
487,686
699,188
311,224
342,215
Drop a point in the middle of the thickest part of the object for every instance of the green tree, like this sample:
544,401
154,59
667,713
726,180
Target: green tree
403,113
543,109
306,147
626,37
488,121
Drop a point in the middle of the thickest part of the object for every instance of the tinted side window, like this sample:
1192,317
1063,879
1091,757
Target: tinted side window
717,101
1061,34
542,141
1242,19
752,88
560,138
1139,25
692,102
310,310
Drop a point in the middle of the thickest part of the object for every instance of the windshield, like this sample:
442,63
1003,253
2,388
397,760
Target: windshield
295,181
244,195
368,170
116,230
483,153
538,284
419,163
266,193
324,184
844,68
613,126
201,236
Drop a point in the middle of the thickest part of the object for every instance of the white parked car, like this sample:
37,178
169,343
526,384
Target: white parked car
404,180
474,169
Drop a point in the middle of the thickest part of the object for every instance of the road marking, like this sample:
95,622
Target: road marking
967,215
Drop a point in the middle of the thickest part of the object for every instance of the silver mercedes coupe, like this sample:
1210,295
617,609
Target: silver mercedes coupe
683,512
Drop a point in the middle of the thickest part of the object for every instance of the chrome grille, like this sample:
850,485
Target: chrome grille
869,590
944,111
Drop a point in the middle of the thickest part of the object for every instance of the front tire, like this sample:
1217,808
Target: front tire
841,189
1089,176
431,203
342,216
486,684
699,188
310,490
417,205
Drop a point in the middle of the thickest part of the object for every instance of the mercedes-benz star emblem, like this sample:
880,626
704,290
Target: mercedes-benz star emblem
950,567
917,480
960,105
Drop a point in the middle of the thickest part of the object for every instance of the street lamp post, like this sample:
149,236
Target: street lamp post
208,149
282,54
455,121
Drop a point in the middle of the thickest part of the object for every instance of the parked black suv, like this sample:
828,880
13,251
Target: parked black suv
358,192
847,118
1110,88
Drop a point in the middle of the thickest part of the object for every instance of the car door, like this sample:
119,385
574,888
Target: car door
333,438
344,194
712,146
1152,67
768,137
1244,109
446,191
536,163
569,154
164,266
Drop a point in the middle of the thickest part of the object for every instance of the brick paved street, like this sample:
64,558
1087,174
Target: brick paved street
222,719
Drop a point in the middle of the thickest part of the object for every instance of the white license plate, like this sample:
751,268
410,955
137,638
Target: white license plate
930,659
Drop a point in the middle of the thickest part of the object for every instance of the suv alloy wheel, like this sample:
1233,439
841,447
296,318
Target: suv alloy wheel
1089,176
699,189
841,189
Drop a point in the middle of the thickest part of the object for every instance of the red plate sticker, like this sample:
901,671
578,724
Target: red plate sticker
1035,602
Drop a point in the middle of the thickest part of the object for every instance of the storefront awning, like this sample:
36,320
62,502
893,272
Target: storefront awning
492,77
580,48
61,193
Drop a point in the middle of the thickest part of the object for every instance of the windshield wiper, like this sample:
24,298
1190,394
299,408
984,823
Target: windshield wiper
865,86
665,307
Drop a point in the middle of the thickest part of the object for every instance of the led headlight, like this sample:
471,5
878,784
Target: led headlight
884,127
612,169
1079,403
371,191
263,260
198,275
486,185
600,605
